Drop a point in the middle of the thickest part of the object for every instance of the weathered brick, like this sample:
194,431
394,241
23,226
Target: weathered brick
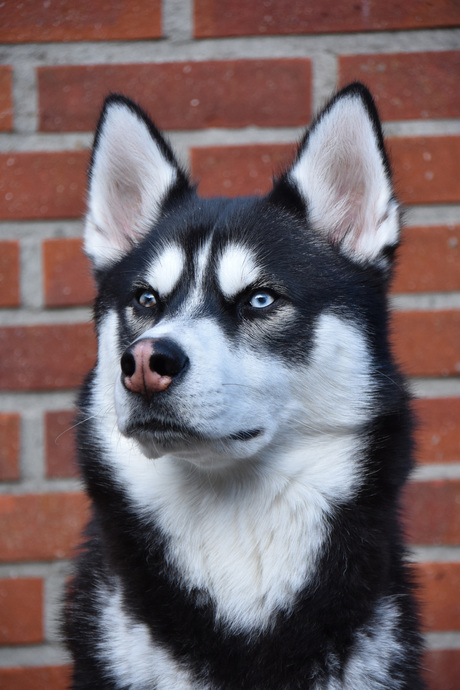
45,357
238,170
41,527
241,18
6,97
180,95
66,20
42,184
408,86
428,260
438,430
9,446
426,342
432,512
66,273
439,595
21,610
426,169
35,678
60,444
442,669
9,273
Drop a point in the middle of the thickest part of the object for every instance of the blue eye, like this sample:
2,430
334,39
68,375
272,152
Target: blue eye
146,299
261,299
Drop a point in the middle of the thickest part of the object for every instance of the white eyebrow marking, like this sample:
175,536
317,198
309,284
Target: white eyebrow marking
237,269
166,269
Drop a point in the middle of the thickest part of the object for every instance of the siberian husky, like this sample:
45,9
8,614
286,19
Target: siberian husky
245,433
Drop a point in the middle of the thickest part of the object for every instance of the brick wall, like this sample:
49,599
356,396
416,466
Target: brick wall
233,82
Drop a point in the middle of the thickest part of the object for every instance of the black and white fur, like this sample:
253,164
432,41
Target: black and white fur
245,530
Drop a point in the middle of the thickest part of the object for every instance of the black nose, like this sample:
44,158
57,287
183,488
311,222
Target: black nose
149,365
168,359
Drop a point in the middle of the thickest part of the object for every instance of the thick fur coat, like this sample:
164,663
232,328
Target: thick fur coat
245,433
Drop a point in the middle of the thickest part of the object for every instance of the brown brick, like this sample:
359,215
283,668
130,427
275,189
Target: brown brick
442,669
66,20
242,18
41,527
239,170
42,184
45,357
408,86
438,433
426,169
432,512
427,342
60,444
6,97
428,260
35,678
21,610
9,446
180,95
439,595
66,273
9,273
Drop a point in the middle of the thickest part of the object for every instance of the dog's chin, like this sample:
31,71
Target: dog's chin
156,439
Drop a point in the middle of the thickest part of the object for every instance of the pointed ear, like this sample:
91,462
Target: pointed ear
132,172
343,178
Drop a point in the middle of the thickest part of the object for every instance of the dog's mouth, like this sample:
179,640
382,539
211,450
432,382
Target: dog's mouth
161,430
168,433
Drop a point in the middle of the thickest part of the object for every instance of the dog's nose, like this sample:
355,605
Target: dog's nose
149,365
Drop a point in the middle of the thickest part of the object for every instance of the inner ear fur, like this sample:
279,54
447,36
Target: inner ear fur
342,177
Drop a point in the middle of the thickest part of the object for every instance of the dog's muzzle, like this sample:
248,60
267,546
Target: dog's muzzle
150,365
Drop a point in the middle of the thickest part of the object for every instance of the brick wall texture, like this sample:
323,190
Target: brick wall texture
233,83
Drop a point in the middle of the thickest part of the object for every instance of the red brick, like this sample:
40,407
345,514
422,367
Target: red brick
66,273
45,357
6,97
180,95
428,260
66,20
408,86
21,610
242,18
34,678
60,444
439,595
239,170
9,446
9,273
426,169
442,669
41,527
42,184
438,433
427,343
432,512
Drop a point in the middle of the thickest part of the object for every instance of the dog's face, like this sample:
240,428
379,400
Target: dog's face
230,328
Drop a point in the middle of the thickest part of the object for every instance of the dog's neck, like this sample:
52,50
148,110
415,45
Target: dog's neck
251,539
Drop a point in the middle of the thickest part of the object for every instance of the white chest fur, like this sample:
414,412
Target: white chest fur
252,545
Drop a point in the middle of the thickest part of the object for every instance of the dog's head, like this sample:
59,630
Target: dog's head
227,327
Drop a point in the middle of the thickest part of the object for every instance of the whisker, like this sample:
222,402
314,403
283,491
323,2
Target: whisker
74,426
